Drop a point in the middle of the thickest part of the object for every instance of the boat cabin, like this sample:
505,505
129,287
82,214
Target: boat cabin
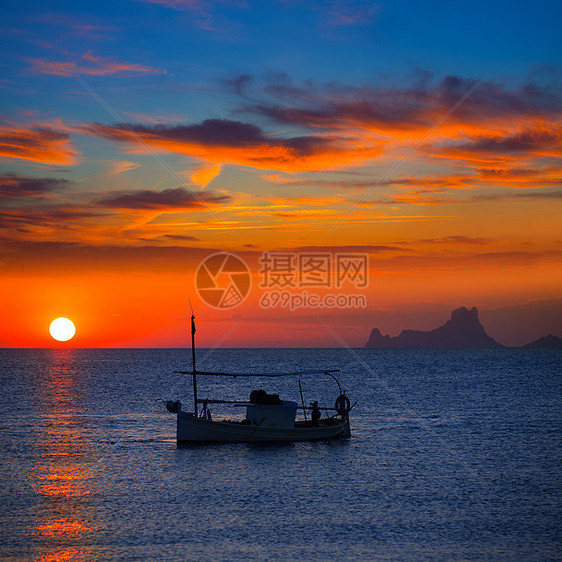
278,416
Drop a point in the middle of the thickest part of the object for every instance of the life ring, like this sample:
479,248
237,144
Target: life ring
343,405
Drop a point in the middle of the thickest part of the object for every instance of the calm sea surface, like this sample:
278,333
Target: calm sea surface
454,455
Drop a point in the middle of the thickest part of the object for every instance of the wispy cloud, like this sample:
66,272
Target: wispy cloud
89,28
188,5
455,239
92,65
37,144
46,221
351,12
15,186
204,13
539,140
173,198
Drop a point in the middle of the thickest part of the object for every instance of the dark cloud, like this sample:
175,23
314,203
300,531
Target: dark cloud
363,249
519,195
375,107
171,237
173,198
14,186
225,141
538,195
455,239
529,140
181,237
210,133
419,198
56,217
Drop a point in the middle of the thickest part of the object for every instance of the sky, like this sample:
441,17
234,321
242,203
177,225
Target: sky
417,142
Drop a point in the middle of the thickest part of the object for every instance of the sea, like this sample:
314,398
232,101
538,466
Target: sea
454,455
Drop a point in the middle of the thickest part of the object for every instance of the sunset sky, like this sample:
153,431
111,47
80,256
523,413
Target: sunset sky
139,137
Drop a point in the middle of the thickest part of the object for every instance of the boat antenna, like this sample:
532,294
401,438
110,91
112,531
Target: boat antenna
302,400
193,359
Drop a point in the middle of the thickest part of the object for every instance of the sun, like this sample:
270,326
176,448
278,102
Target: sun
62,329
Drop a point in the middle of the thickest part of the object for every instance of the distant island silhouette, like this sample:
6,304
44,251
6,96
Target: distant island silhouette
548,342
463,330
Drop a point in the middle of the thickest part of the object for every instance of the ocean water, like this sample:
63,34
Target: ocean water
454,455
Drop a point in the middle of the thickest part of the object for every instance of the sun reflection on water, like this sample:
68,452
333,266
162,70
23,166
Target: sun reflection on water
70,554
64,478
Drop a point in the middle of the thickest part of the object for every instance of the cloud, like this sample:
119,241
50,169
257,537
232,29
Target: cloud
276,178
401,112
204,175
455,239
181,238
222,141
351,12
173,198
38,144
203,13
521,177
423,198
182,5
171,237
356,248
92,65
539,140
91,29
422,190
425,184
51,219
522,195
15,186
499,133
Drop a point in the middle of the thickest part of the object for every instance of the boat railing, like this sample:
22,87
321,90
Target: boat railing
246,403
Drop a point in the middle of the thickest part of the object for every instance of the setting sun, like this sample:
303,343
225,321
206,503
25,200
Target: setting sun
62,329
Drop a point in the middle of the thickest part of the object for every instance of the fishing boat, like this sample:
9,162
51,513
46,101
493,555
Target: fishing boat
267,417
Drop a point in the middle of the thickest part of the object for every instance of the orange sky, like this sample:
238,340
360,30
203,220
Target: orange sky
123,168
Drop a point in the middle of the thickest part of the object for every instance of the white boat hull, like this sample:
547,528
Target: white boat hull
191,429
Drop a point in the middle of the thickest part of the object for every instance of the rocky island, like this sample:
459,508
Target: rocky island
463,330
548,342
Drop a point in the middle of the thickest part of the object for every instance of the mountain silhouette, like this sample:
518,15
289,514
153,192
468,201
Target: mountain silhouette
547,342
462,330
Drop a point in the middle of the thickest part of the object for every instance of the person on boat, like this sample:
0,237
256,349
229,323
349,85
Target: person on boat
315,414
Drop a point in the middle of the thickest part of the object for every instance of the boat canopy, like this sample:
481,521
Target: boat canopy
270,375
295,374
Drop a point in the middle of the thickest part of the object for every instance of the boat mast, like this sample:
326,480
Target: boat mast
193,359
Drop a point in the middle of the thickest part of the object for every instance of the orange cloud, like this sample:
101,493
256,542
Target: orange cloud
92,65
276,178
521,177
205,174
538,140
39,144
221,141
